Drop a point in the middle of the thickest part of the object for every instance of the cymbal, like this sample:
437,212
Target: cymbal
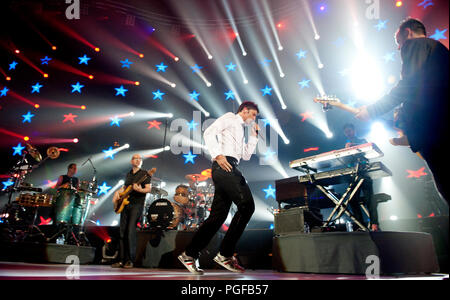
158,191
207,173
196,177
34,153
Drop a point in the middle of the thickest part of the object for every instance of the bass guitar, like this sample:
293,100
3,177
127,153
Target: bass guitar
123,199
329,102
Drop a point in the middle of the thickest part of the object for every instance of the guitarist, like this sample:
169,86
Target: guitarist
131,213
423,93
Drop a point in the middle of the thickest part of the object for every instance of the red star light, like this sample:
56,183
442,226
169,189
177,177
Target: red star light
154,124
306,115
45,221
70,118
417,174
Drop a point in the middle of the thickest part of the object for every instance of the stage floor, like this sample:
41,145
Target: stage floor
28,271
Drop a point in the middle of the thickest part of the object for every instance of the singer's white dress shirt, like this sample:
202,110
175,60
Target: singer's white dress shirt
226,137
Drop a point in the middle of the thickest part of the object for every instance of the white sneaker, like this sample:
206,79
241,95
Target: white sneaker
190,263
229,263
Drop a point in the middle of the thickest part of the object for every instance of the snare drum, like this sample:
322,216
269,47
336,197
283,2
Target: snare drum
163,214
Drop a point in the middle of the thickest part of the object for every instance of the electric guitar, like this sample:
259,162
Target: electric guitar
123,199
330,102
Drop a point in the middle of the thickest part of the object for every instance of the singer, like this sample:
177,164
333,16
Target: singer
225,141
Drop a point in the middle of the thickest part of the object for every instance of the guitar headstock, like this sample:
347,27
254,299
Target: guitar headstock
327,101
151,172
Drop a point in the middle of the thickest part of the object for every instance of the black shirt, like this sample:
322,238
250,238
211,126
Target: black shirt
136,197
422,91
72,180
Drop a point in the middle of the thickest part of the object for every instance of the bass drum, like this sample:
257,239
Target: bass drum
163,214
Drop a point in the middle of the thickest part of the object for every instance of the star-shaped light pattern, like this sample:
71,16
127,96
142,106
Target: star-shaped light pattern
301,54
70,118
154,124
12,66
109,153
196,68
304,83
45,60
426,3
270,192
161,67
267,90
269,155
77,88
84,60
18,149
121,91
158,95
115,121
194,95
306,115
192,125
389,57
381,25
231,67
265,62
189,158
45,221
7,184
417,174
27,117
266,122
103,189
126,63
3,92
439,35
36,88
230,95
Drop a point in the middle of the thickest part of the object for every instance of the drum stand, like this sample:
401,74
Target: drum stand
32,226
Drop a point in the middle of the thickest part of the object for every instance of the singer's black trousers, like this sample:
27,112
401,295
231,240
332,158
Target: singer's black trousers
230,187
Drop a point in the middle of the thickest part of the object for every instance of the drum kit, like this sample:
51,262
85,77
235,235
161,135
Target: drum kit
191,205
30,199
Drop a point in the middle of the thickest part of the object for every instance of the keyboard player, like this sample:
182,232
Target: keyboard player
366,188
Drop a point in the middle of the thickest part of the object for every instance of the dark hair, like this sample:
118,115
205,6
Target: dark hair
182,186
349,125
71,165
415,25
249,105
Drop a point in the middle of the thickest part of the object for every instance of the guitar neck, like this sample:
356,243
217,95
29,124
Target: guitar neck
347,108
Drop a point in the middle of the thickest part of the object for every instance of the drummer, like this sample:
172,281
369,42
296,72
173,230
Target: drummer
68,181
68,206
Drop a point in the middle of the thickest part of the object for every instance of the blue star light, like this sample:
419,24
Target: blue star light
27,117
45,60
426,3
18,149
109,153
196,68
231,67
36,88
270,192
265,62
77,88
230,95
12,66
266,91
266,122
3,91
161,67
194,95
158,95
115,121
269,155
381,25
189,158
121,91
439,35
301,54
126,63
304,83
192,125
389,57
7,183
103,189
83,60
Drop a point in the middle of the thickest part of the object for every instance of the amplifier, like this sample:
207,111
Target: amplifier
293,220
